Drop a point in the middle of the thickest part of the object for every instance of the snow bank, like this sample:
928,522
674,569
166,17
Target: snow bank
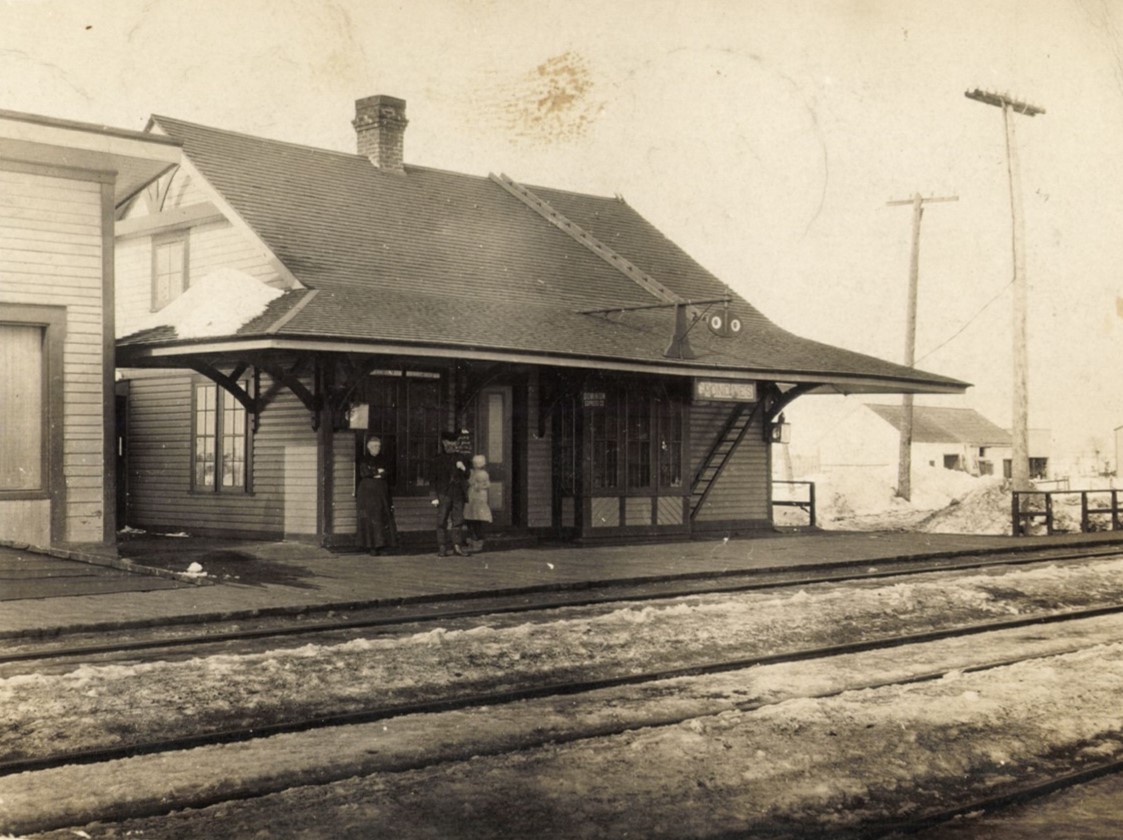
943,502
219,304
843,494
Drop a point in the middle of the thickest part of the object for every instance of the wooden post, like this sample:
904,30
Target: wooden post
1019,468
904,459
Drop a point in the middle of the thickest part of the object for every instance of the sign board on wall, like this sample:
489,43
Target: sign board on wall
724,390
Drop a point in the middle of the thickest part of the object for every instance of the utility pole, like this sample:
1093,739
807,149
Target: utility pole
1019,467
904,459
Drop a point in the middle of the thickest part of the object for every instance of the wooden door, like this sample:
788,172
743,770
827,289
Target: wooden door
494,439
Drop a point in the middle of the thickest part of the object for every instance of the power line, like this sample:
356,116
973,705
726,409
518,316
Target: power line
967,323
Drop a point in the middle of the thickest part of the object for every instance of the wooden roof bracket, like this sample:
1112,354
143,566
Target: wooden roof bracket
230,383
290,379
775,401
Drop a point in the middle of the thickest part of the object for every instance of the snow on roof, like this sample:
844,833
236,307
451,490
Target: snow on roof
219,304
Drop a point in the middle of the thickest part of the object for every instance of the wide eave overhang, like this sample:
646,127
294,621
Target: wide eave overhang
127,159
180,353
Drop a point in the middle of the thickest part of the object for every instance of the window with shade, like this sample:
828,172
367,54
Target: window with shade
221,440
23,408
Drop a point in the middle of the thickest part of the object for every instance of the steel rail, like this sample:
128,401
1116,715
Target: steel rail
551,600
990,804
560,689
120,812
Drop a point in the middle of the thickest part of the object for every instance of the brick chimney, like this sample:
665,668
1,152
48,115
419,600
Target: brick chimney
380,126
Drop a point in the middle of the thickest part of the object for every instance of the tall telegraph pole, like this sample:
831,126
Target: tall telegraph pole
1019,468
904,460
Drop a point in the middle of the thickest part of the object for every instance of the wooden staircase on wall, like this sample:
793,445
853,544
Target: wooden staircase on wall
730,436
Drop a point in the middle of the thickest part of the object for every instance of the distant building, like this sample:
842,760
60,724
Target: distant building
60,184
869,435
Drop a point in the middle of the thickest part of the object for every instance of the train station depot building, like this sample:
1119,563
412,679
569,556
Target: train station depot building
60,184
276,304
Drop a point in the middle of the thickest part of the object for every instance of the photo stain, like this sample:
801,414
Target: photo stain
552,102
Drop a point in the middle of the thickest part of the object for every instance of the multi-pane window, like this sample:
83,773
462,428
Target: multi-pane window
22,407
221,440
604,437
635,435
405,412
169,270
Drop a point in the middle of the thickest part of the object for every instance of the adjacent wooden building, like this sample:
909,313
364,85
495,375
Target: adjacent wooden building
277,303
60,184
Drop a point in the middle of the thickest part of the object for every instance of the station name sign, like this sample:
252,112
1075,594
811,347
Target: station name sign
724,390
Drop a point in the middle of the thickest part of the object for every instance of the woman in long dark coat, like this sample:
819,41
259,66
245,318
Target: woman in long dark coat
377,531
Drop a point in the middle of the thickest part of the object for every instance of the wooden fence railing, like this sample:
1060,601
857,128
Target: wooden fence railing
1023,511
806,504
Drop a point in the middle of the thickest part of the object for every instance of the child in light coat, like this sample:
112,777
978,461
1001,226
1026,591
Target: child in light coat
477,512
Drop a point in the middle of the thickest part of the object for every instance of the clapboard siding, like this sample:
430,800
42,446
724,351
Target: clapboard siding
51,254
742,492
159,457
133,269
344,518
220,245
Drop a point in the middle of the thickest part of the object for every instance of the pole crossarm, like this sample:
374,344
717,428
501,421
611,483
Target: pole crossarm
1001,100
611,309
923,200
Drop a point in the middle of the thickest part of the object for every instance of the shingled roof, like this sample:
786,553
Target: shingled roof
436,259
934,424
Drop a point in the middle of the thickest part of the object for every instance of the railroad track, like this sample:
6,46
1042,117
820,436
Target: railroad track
560,689
408,617
452,702
991,804
439,705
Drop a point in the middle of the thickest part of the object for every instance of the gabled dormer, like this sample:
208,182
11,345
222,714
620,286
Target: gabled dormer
175,233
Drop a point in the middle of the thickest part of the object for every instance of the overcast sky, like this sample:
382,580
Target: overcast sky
764,137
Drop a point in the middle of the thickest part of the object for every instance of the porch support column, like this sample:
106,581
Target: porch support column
325,467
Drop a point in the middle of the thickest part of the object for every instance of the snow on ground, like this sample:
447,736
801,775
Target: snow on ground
112,703
942,502
776,743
